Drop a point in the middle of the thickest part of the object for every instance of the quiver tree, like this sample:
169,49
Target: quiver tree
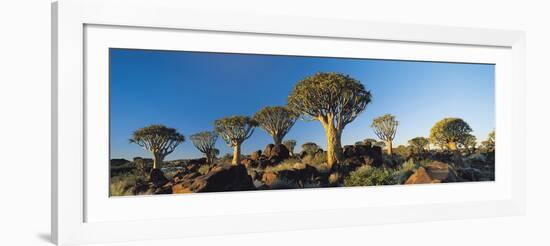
276,121
333,99
489,144
159,140
419,144
205,142
449,132
234,130
385,128
290,144
469,143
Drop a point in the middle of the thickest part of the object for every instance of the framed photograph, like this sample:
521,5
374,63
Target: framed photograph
170,122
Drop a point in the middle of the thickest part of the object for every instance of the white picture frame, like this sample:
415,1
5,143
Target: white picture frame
79,216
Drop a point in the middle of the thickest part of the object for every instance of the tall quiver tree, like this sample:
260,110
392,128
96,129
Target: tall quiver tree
276,121
205,142
159,140
234,131
449,132
333,99
385,128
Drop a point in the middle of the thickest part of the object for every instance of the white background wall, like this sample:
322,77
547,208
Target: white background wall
25,122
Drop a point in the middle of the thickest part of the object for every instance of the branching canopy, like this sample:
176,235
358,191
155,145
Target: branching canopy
205,142
331,98
385,127
276,121
419,143
158,139
449,130
489,144
234,130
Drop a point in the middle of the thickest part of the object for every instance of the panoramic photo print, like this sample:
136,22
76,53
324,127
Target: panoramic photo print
192,122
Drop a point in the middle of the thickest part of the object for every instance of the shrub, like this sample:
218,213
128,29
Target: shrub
369,176
204,169
285,165
123,185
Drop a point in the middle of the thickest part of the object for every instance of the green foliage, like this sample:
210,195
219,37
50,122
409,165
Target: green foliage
419,144
204,169
449,131
404,151
276,121
331,98
287,164
158,139
235,129
385,127
369,176
489,144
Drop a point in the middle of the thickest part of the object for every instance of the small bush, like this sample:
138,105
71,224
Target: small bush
285,165
369,176
204,169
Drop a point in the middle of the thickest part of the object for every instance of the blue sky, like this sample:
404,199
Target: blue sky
189,90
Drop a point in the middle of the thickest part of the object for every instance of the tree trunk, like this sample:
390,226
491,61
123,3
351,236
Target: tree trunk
334,147
157,160
389,147
277,139
236,154
456,153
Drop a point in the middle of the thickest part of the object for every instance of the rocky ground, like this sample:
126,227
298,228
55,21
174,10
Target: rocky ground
276,168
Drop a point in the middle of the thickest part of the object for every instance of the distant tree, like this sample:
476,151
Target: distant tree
205,142
380,144
449,132
214,153
404,151
276,121
385,127
290,144
359,143
310,148
234,131
140,166
333,99
419,144
159,140
469,143
489,144
370,141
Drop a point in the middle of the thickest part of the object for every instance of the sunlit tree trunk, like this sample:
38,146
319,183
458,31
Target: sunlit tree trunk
277,139
157,160
334,146
389,147
236,154
456,153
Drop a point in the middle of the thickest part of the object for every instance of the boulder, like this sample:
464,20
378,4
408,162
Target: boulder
279,152
269,177
420,177
470,174
435,172
255,155
267,150
157,178
224,178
